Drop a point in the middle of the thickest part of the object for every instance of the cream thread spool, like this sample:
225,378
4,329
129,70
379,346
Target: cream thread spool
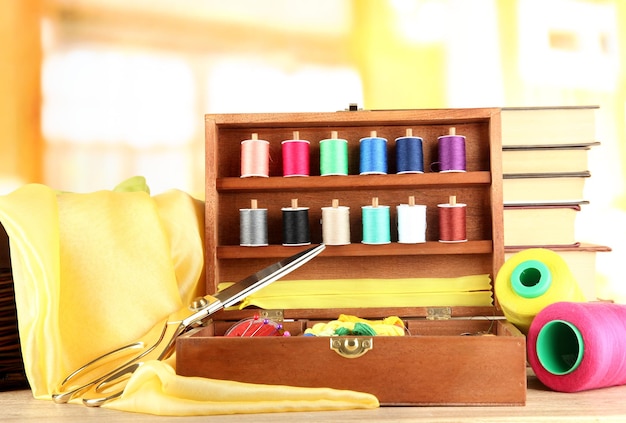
336,224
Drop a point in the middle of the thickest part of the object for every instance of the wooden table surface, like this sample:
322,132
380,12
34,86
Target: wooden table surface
542,405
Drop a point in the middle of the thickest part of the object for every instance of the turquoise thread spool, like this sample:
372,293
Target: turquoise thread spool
376,223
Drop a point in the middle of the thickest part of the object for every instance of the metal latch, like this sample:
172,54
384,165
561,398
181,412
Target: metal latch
438,313
351,347
273,315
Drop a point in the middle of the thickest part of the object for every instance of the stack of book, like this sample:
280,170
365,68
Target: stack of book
545,166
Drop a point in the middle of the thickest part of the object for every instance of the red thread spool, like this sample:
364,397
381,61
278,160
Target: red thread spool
295,156
452,221
579,346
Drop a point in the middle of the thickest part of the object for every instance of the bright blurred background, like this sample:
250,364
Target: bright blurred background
95,91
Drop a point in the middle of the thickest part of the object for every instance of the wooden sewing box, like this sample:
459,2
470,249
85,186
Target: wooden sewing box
454,355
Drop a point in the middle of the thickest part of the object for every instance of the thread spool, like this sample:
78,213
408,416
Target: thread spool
373,155
253,226
333,156
336,224
411,222
255,157
409,154
578,346
452,221
296,225
375,221
295,156
531,280
451,150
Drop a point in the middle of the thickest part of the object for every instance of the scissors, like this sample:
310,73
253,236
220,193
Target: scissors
98,384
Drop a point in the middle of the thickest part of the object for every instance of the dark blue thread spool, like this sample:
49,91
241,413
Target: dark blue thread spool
373,155
409,154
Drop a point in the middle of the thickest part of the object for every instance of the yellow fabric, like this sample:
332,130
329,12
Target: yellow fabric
473,290
96,271
389,326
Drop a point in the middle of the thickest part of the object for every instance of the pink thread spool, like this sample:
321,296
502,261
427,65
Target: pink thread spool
576,346
295,156
255,157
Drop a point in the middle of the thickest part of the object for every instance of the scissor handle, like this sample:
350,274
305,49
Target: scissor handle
86,376
80,380
111,387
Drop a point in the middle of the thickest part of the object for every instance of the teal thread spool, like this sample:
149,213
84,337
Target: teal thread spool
333,156
376,223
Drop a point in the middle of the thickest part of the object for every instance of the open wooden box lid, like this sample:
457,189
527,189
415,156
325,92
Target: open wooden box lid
480,188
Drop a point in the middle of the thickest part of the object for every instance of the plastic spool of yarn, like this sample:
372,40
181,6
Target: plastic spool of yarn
452,217
373,155
451,150
333,156
376,223
577,346
253,226
409,153
531,280
411,222
295,156
296,225
336,224
255,157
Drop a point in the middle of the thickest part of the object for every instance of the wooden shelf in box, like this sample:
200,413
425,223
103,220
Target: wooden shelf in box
353,182
436,364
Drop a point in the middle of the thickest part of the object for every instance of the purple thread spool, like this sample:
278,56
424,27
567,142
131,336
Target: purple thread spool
452,152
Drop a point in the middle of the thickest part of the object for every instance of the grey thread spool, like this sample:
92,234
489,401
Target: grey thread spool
253,226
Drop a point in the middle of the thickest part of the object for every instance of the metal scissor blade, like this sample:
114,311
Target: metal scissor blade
264,277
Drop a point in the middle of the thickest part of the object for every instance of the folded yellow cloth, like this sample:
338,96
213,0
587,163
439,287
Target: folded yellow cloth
96,271
472,290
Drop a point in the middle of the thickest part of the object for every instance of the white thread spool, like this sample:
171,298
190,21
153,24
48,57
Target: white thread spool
411,222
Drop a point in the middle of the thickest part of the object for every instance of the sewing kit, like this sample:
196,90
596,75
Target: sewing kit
400,303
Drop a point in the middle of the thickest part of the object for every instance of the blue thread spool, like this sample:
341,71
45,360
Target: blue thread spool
376,226
452,152
373,155
409,154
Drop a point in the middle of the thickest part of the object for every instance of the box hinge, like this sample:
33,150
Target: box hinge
274,315
438,313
